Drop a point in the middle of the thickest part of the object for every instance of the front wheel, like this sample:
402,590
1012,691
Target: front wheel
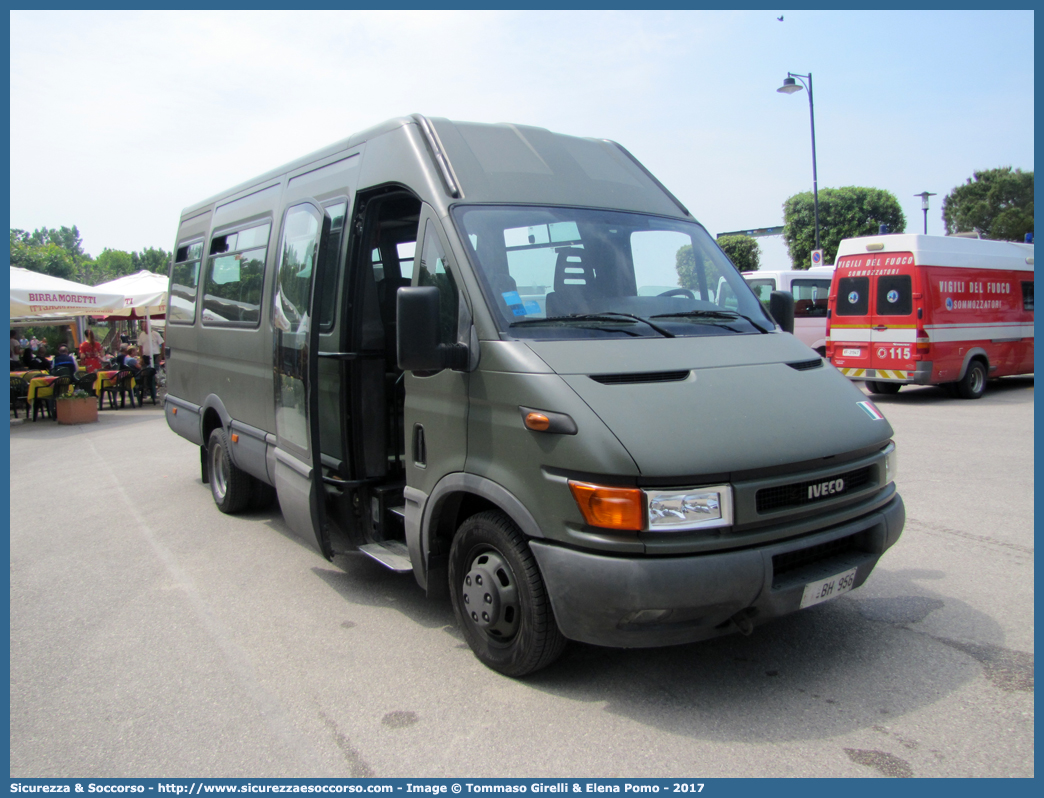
499,597
973,384
229,484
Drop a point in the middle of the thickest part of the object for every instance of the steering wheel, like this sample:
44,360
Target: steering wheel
679,292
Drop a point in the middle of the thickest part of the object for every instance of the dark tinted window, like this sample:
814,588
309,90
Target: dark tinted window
894,295
853,296
330,277
810,297
1027,296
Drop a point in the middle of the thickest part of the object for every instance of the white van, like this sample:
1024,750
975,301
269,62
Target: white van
810,288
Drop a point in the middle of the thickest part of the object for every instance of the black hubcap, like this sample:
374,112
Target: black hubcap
491,597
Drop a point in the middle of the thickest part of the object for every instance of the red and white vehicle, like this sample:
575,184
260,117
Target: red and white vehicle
810,288
931,310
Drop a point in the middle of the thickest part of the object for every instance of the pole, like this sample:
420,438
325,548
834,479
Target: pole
926,221
815,178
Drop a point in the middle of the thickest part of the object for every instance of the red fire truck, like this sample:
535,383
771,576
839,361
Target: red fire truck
931,310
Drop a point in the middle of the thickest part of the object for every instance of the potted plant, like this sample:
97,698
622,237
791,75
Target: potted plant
78,407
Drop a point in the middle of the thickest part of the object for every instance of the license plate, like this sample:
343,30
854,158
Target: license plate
851,352
815,592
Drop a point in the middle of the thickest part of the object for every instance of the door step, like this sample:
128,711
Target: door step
391,554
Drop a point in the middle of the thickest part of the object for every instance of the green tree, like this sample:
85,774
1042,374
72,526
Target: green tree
112,263
68,238
685,265
843,213
996,202
151,259
46,258
743,251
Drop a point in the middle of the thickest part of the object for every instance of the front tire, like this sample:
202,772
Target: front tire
499,597
229,485
973,384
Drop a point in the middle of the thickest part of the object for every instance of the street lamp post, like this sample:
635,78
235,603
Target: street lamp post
789,87
924,195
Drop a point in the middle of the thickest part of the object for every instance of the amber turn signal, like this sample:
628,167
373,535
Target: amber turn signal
610,508
537,422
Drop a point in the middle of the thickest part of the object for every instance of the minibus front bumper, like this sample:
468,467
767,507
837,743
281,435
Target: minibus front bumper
638,602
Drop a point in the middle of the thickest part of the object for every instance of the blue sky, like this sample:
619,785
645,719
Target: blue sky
120,119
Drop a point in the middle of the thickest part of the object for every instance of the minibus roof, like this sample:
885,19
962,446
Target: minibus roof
952,251
506,163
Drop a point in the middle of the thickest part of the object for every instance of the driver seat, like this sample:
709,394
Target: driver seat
574,284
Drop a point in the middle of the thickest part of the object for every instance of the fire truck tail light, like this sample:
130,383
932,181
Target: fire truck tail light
922,343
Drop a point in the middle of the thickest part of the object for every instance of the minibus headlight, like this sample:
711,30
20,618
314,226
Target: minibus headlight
696,508
891,463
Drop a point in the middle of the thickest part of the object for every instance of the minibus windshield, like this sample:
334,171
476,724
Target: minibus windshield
555,272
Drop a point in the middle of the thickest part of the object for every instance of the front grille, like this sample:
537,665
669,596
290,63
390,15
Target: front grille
799,493
792,560
637,379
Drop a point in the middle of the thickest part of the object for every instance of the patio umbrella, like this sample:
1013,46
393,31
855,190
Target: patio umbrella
144,293
145,296
34,294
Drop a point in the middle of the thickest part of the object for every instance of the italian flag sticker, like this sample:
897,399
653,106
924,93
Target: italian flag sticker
871,410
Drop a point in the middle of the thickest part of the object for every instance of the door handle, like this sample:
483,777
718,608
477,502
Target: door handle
420,449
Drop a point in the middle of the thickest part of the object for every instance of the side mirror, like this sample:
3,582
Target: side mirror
781,307
417,333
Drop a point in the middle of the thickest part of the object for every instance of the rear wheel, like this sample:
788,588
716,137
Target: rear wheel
229,484
499,597
973,384
888,388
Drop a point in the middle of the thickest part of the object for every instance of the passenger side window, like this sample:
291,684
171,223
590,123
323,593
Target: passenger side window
235,277
433,271
184,278
1027,296
810,297
294,290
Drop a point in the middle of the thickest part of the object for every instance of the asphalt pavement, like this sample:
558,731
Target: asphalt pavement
152,636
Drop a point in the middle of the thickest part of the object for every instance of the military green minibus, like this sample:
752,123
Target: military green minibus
512,363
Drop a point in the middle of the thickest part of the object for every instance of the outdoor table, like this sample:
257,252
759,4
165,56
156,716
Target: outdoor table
106,379
39,387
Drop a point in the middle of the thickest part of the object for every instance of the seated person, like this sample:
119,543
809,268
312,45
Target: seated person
131,360
64,359
121,355
30,361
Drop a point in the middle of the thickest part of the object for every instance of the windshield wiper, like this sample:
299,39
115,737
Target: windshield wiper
603,316
722,314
